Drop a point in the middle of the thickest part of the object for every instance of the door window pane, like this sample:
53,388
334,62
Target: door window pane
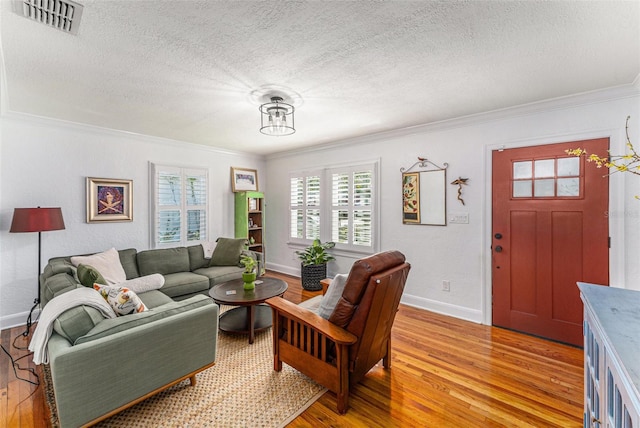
568,167
544,168
522,189
544,188
569,186
522,170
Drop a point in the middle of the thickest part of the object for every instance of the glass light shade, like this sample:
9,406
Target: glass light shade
276,118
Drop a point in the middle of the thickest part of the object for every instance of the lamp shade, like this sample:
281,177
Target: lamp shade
36,220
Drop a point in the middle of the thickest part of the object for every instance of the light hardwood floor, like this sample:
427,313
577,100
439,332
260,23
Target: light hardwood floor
445,372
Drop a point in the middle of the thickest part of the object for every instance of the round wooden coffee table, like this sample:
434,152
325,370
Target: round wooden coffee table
256,317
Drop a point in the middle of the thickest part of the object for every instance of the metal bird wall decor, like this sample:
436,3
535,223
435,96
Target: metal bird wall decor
459,182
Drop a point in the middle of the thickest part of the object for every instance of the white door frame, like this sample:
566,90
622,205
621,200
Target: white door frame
617,140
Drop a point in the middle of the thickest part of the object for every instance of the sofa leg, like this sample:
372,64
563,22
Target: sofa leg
192,379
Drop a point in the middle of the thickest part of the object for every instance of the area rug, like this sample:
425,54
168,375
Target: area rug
241,390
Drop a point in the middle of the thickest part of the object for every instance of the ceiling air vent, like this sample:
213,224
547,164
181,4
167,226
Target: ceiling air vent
63,15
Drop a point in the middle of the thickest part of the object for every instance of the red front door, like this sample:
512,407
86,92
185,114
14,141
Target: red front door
550,230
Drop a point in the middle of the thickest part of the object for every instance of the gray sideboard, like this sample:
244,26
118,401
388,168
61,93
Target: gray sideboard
611,356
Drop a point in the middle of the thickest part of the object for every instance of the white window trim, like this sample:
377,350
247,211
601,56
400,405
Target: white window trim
154,169
326,209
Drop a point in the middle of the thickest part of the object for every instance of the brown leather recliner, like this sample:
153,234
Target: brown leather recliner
338,352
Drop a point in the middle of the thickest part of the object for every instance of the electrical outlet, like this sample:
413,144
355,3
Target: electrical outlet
446,285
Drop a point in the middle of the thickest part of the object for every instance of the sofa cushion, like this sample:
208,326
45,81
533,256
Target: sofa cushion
75,322
88,275
121,299
163,261
227,252
55,284
219,274
197,259
128,259
181,283
145,283
111,326
107,263
154,298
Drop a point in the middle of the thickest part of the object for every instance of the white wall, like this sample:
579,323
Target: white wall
45,163
460,252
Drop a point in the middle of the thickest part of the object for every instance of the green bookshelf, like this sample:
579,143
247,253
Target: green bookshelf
249,219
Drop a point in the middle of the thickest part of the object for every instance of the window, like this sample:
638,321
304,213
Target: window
335,204
351,207
305,206
547,178
180,212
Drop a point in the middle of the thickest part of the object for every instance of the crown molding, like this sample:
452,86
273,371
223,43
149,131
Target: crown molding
34,120
560,103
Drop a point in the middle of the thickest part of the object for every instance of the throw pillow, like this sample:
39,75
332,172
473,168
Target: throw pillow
88,275
227,252
107,263
330,299
121,299
144,283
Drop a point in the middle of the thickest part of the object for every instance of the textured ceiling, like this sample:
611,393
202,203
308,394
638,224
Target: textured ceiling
195,71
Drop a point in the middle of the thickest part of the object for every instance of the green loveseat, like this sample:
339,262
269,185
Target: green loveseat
100,366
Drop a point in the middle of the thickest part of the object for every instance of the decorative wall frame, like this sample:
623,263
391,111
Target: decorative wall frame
244,179
109,200
424,193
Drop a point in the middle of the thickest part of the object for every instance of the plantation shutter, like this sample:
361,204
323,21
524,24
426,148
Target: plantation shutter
196,203
179,215
335,204
352,207
305,206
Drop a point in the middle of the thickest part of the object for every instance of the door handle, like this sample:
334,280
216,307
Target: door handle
499,249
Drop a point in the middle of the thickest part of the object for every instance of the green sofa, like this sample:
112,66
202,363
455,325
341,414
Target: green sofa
100,366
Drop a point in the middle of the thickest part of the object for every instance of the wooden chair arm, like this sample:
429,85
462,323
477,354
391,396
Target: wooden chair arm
325,283
291,310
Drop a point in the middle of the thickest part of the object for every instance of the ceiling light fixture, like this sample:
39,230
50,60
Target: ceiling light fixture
276,118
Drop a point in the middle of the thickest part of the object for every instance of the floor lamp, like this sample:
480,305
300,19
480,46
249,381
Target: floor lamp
36,220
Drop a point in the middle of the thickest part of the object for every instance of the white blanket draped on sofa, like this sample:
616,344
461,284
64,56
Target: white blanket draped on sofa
55,307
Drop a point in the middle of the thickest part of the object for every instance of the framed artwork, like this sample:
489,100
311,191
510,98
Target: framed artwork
244,180
411,197
109,200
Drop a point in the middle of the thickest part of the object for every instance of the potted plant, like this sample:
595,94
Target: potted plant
314,264
249,274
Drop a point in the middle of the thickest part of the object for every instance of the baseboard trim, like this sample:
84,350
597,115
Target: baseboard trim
288,270
19,319
473,315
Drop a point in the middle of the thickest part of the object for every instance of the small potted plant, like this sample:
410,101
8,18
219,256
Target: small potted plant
249,274
314,264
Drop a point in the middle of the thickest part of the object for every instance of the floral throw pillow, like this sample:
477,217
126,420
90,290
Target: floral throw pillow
121,299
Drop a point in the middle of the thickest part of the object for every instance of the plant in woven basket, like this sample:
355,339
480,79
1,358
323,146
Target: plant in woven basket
314,264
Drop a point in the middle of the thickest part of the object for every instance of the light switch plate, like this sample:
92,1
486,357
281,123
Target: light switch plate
458,218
